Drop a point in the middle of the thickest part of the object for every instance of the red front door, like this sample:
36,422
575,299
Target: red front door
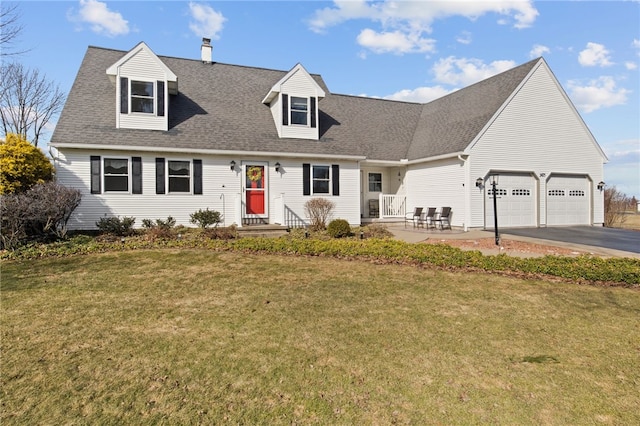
255,189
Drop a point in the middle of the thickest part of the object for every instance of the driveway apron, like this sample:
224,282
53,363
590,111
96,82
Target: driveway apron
612,238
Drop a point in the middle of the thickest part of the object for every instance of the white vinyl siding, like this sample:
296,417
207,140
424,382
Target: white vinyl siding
299,85
221,190
142,67
537,132
437,184
290,183
220,187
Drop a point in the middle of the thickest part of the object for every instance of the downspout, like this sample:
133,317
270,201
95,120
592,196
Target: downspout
467,193
56,160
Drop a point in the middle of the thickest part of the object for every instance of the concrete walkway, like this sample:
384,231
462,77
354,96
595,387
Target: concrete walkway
416,235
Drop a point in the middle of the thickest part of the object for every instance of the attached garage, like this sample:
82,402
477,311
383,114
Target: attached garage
567,200
516,200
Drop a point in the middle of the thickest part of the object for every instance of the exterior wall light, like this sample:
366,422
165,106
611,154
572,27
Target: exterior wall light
277,167
479,182
232,165
601,185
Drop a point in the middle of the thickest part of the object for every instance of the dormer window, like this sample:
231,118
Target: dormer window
294,105
143,85
299,110
142,98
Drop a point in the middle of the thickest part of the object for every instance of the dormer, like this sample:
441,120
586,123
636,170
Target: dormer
294,104
143,85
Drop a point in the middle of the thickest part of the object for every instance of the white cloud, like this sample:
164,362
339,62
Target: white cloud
538,50
622,169
594,55
100,18
206,21
394,42
599,93
631,66
464,38
413,19
420,95
463,71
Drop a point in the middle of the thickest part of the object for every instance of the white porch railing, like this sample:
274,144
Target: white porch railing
392,206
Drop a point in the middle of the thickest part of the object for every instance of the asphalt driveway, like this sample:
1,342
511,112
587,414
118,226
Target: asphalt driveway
597,236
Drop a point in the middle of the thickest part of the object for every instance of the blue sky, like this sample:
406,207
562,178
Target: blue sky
404,50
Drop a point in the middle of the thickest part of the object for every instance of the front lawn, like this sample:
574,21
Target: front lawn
198,336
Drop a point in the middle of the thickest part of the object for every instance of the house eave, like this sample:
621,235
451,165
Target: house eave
405,162
238,153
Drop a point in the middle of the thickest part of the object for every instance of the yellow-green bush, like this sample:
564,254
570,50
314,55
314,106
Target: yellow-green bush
22,165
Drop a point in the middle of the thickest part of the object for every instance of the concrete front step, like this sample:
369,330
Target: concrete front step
263,231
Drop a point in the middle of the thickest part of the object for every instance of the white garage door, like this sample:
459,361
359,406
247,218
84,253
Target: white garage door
568,200
516,201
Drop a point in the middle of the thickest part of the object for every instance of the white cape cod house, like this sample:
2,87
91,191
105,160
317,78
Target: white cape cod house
148,136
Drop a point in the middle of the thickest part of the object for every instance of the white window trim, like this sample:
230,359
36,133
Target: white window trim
154,97
369,181
330,180
104,175
168,169
291,110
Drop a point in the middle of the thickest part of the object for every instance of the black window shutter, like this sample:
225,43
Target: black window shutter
197,177
124,95
335,179
306,179
95,174
160,100
136,175
313,113
285,110
159,175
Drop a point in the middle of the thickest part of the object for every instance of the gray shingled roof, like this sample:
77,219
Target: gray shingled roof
219,107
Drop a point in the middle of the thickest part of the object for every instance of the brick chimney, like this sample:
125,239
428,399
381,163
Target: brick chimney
206,50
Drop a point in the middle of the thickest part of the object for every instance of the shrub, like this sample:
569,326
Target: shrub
206,218
159,229
39,213
116,225
339,228
318,211
226,233
159,223
376,230
22,165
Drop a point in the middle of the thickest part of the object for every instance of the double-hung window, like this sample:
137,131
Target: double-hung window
375,182
142,96
321,179
179,175
116,175
299,110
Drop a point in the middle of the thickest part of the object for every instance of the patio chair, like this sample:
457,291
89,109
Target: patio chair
428,219
374,207
443,218
414,218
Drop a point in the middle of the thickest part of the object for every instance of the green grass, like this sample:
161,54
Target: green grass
195,336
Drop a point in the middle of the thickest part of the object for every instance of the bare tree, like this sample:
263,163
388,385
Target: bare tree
27,101
10,29
615,206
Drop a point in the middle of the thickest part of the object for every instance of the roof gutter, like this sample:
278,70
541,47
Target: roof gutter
405,162
206,151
